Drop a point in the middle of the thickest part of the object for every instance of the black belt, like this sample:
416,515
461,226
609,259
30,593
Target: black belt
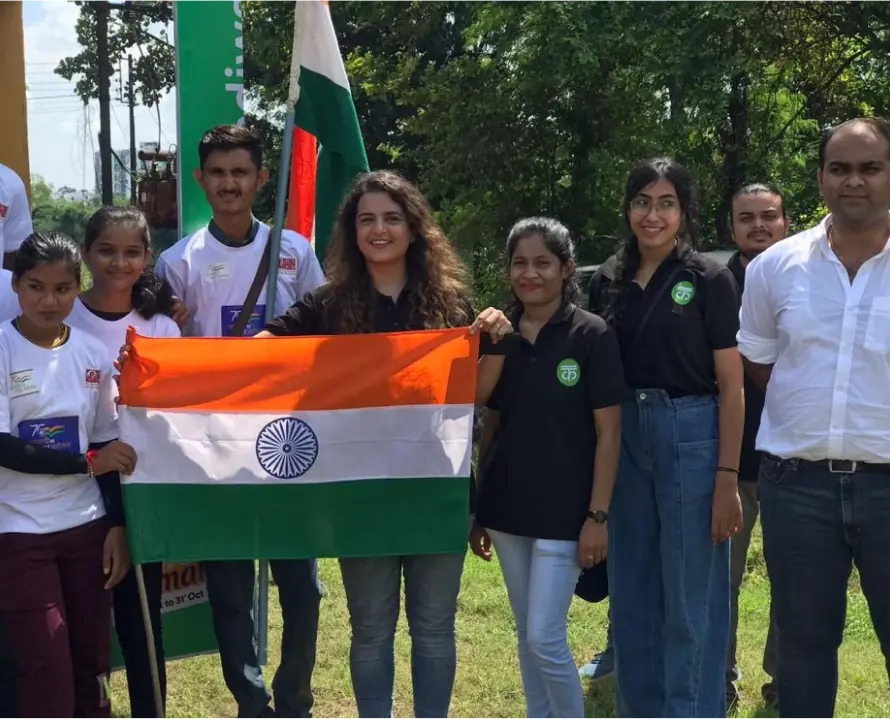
849,466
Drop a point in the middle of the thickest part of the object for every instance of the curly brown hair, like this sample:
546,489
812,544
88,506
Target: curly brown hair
437,287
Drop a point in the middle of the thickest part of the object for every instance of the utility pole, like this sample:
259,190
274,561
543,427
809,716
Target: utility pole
131,99
101,10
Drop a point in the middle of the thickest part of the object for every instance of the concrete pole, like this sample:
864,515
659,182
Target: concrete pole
14,117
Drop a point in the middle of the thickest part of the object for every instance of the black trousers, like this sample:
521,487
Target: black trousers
9,692
131,635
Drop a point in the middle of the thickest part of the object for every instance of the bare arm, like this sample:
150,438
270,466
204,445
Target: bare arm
726,514
487,376
731,421
490,422
759,373
607,422
593,541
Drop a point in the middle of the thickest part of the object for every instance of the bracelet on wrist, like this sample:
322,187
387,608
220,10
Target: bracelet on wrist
728,470
90,457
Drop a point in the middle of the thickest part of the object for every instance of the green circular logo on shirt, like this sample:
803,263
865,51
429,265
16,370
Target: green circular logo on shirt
568,372
683,293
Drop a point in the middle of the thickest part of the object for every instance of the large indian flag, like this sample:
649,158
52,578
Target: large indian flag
343,446
324,111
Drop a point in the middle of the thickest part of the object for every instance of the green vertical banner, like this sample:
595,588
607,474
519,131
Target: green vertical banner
209,90
185,615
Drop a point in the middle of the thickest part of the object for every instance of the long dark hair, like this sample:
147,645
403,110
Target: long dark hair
150,294
437,284
41,248
557,240
628,257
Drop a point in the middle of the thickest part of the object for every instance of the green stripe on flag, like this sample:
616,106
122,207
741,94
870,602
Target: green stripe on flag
368,518
326,110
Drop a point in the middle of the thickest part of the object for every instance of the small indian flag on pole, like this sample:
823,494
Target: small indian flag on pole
343,446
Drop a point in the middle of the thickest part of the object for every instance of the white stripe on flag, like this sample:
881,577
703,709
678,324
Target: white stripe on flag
317,42
413,441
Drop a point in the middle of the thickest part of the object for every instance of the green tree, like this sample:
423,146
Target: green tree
51,214
129,28
504,110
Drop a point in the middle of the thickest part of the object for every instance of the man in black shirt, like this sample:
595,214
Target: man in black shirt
758,222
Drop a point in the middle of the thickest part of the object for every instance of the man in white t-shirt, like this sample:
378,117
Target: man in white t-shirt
212,271
15,215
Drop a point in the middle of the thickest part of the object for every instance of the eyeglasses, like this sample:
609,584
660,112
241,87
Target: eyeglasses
663,208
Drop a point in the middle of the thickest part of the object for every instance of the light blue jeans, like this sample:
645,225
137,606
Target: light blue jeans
540,575
373,590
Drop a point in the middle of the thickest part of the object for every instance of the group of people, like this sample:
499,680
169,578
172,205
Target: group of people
620,433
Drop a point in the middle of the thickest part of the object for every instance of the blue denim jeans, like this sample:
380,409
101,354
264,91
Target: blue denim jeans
230,589
816,525
373,589
668,583
540,575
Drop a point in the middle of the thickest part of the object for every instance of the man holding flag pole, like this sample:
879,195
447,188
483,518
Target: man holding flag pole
223,272
220,273
221,286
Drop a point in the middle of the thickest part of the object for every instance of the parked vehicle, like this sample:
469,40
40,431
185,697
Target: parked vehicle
586,272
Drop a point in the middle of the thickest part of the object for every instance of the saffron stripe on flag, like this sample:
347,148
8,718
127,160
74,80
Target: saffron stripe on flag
302,373
301,196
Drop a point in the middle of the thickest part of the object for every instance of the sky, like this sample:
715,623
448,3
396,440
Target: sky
62,134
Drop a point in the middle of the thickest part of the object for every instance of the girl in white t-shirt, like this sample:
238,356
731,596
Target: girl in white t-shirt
124,293
62,540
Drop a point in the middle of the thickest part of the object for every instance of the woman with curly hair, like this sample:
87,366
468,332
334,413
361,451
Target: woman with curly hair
676,502
390,268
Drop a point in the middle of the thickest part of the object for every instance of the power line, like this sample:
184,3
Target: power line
117,120
54,97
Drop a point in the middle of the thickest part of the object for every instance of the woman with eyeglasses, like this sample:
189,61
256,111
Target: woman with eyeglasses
676,503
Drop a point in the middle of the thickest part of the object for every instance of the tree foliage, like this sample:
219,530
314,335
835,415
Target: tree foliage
504,110
52,212
130,31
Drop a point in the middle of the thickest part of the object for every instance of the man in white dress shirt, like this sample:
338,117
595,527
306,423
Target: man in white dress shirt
815,331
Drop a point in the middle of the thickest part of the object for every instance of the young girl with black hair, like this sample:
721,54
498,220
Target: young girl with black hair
676,503
124,293
549,457
62,540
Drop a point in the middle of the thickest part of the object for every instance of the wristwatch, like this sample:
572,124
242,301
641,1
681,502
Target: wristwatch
598,516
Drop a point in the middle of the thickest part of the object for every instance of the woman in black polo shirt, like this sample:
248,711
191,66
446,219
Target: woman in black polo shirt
676,314
390,268
549,451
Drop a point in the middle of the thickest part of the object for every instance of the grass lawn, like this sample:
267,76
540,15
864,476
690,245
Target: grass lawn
488,682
